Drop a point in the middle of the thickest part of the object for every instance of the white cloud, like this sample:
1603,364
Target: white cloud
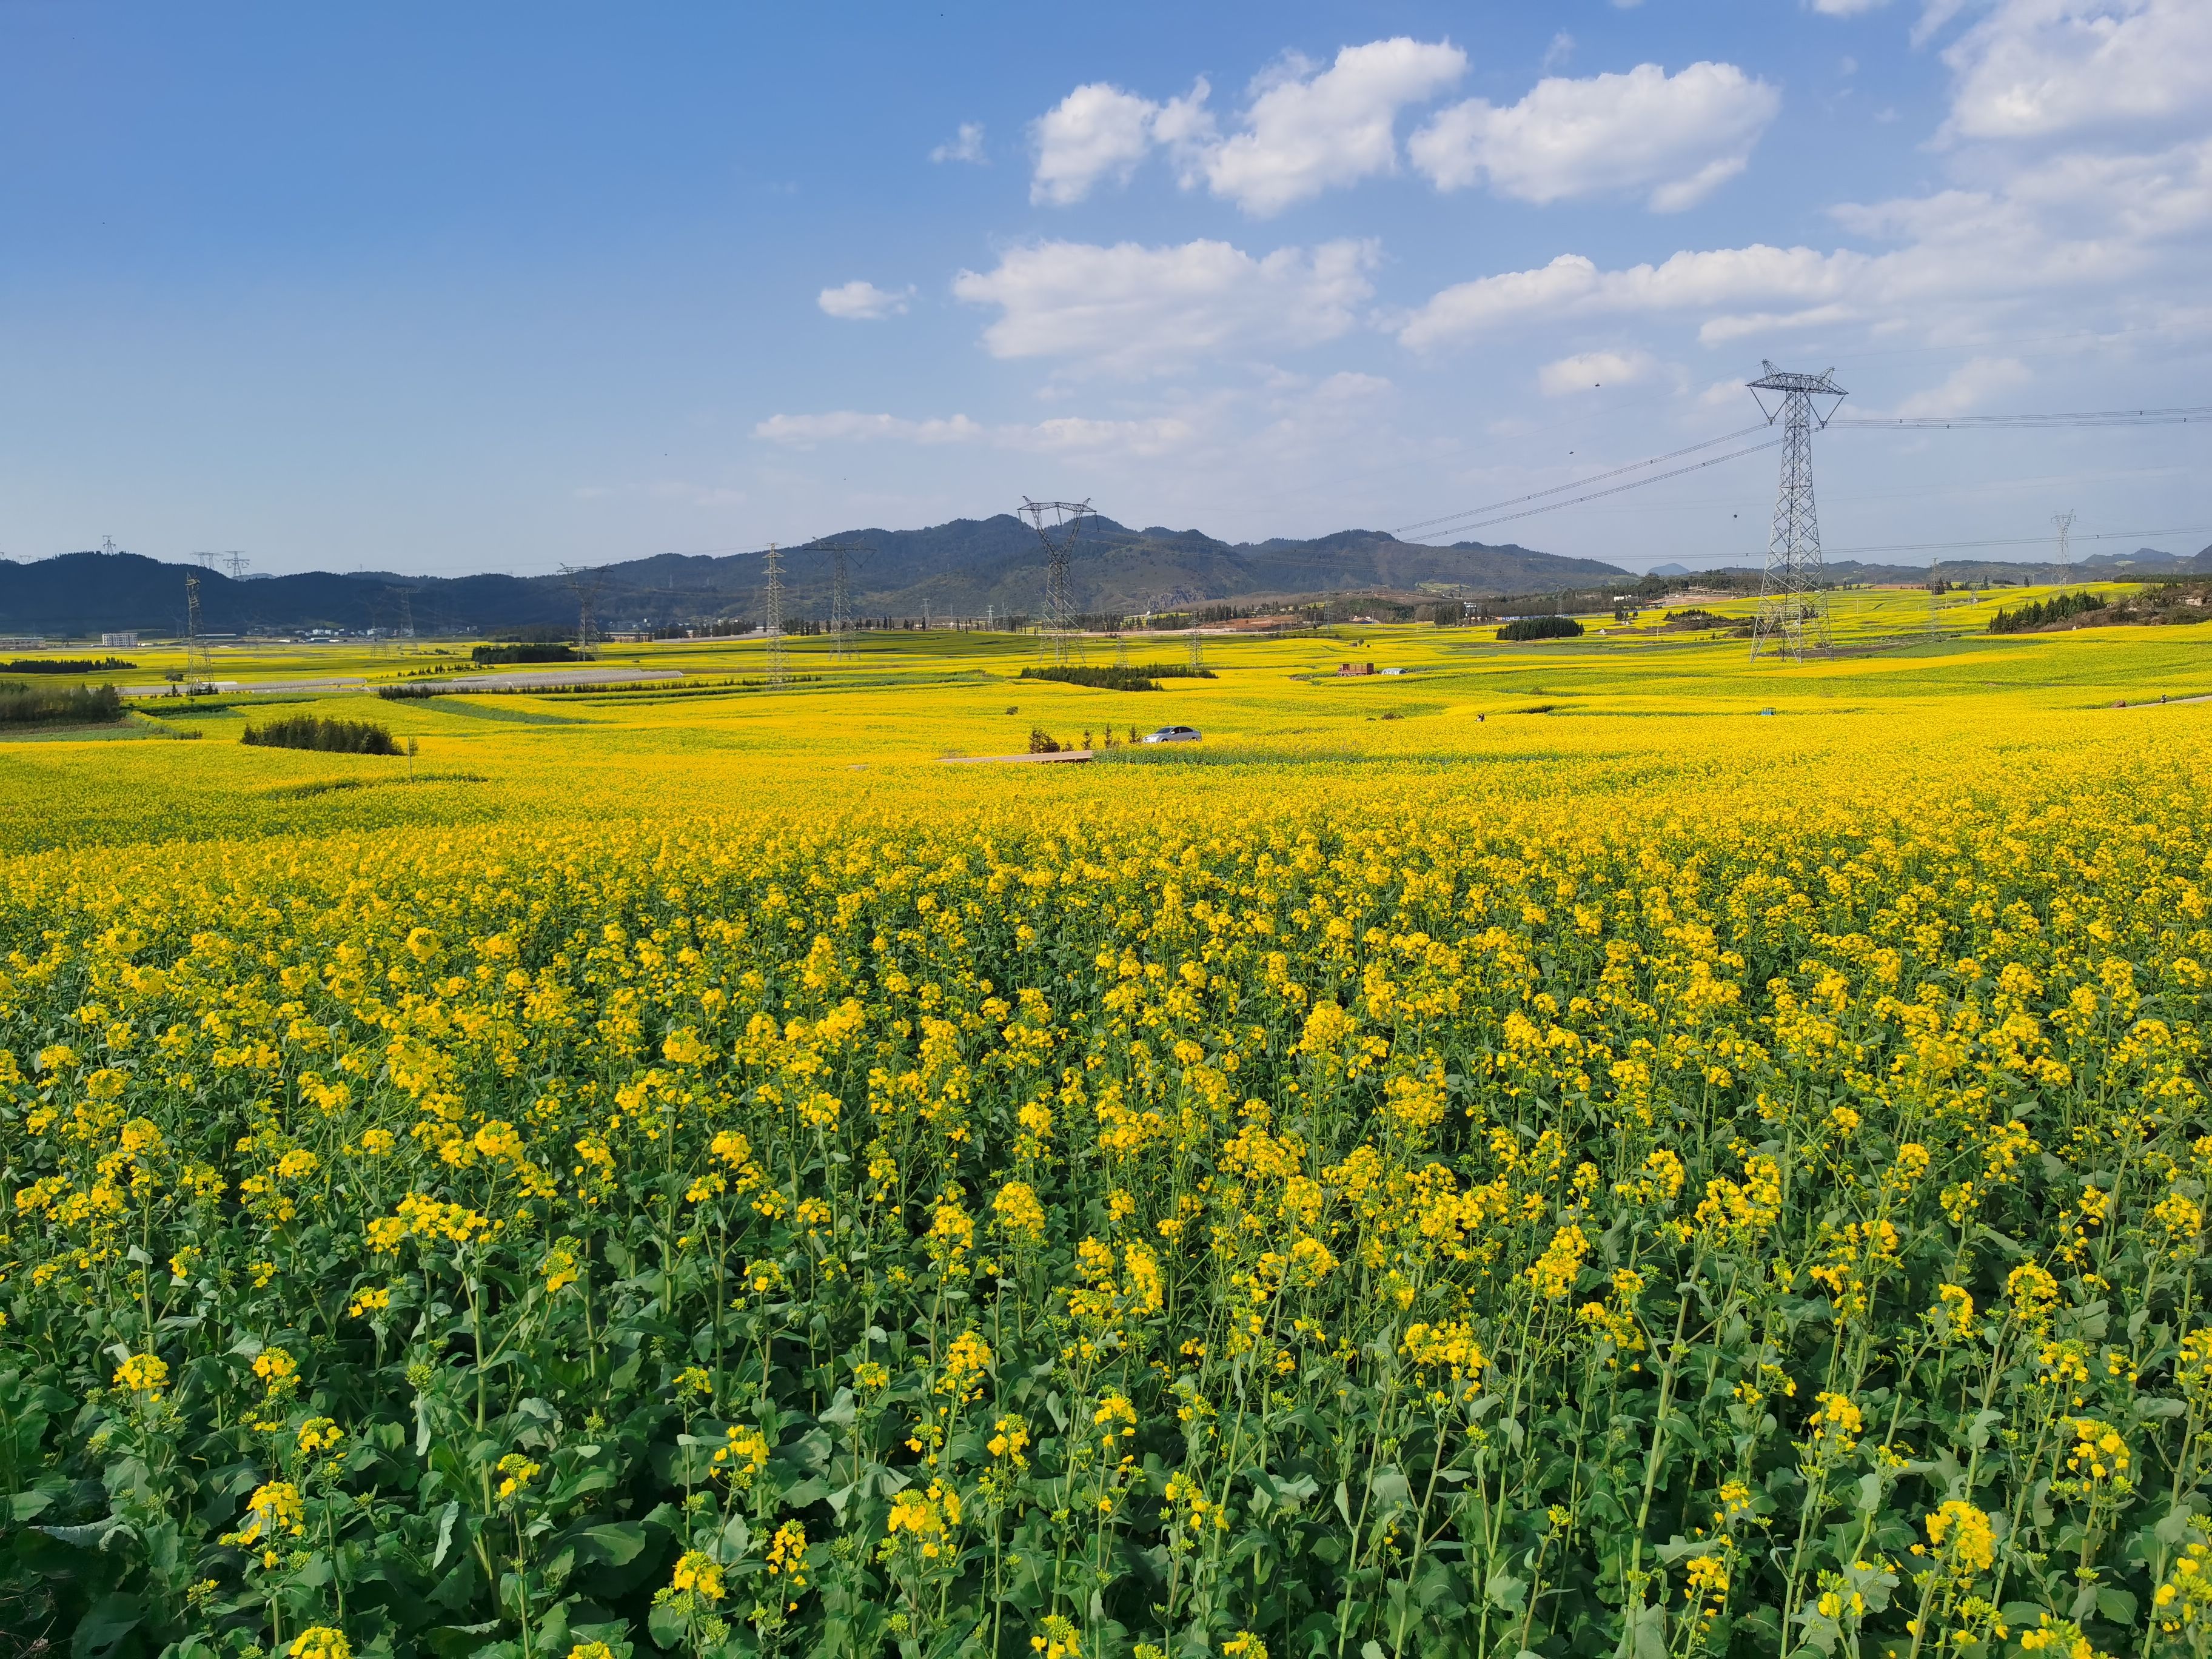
1561,48
1968,387
1073,434
1588,370
1132,310
1097,132
965,145
2090,224
1847,7
1306,128
860,301
1680,136
1306,131
1934,15
1719,331
2035,68
1066,435
1572,284
849,426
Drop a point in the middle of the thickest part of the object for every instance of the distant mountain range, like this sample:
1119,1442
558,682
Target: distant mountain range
962,568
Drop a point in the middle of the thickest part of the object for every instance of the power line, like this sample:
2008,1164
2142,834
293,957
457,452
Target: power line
1633,483
2030,423
2020,541
1481,518
1594,477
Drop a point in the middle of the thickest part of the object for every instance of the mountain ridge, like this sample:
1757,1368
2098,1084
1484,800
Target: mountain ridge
965,568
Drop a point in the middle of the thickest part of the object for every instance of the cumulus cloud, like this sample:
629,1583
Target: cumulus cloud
1306,129
1968,387
1066,435
1587,370
965,145
1677,136
2034,68
861,302
1098,131
1131,309
1572,284
2074,223
850,425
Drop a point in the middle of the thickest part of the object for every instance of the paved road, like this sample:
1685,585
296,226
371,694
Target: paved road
520,680
229,688
525,679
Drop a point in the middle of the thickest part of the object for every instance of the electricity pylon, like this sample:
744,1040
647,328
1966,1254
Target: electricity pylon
2063,522
585,585
199,662
840,595
1793,601
772,568
1059,525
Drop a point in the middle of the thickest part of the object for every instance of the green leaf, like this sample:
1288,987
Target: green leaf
666,1625
444,1532
812,1490
615,1544
1390,1487
108,1620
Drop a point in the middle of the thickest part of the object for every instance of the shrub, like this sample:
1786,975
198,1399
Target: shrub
1100,679
45,705
484,654
2041,613
1134,678
1043,743
1542,628
66,665
410,693
335,737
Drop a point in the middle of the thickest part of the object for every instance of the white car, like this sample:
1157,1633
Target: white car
1173,734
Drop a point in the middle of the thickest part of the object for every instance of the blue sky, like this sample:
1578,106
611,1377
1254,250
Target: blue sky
439,289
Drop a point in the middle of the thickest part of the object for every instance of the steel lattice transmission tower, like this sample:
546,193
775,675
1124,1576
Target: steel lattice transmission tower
1793,602
840,595
1059,525
772,568
585,585
199,661
2064,523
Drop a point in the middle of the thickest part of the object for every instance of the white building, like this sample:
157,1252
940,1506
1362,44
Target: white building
126,638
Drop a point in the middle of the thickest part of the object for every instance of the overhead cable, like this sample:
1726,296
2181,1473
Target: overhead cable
1633,483
2087,417
1594,477
2020,541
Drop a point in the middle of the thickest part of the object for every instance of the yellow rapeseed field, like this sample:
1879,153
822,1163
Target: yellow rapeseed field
1597,1148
